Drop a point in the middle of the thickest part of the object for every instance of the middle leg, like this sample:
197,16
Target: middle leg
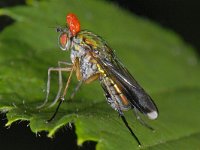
121,114
52,69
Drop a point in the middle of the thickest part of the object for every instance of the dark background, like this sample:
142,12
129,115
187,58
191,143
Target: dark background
179,15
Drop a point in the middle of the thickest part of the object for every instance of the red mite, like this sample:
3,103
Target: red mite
73,24
92,59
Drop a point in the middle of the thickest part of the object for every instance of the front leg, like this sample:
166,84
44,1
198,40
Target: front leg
69,65
67,84
58,69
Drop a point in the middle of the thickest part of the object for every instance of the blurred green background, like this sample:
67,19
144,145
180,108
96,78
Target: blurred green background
160,60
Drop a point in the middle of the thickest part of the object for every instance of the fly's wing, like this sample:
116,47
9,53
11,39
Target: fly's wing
106,58
131,89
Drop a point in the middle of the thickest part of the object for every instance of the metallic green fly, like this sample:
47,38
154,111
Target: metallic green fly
92,59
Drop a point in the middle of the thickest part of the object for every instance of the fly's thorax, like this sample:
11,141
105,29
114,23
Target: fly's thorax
88,65
77,51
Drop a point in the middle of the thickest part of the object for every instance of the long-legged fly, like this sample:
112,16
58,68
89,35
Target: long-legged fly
92,59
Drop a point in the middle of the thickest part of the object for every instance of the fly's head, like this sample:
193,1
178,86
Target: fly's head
68,32
64,38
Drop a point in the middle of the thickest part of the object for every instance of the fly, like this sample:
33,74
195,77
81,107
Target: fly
92,59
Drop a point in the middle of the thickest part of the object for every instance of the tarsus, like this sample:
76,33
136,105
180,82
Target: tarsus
129,128
56,111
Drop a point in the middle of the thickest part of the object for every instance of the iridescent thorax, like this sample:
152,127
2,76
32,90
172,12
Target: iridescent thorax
81,50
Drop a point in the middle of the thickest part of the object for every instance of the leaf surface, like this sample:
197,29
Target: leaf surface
162,63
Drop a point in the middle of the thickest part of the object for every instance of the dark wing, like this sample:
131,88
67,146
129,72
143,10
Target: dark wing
113,68
130,87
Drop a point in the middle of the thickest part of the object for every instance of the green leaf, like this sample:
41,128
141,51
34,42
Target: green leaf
166,67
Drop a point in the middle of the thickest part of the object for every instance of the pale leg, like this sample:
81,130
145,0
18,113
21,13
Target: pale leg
60,70
67,84
64,63
60,81
76,89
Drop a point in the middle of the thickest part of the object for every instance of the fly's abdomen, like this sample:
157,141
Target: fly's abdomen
114,95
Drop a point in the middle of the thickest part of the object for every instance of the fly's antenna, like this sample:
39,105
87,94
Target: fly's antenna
129,128
56,111
57,27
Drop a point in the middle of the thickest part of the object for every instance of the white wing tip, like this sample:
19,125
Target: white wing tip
152,115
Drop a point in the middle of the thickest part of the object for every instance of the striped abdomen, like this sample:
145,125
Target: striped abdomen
114,95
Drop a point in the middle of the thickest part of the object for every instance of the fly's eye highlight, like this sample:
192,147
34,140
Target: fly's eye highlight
63,41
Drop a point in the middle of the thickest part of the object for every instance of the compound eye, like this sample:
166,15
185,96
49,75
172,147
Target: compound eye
63,39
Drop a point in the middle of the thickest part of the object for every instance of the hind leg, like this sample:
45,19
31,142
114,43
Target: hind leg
121,114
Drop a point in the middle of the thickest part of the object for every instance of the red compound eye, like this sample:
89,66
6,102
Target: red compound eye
63,39
73,23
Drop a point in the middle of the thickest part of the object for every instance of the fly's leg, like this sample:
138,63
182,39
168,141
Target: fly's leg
79,77
62,97
59,88
67,84
49,80
76,67
78,70
112,99
64,63
60,81
141,120
92,78
59,70
121,114
76,89
89,80
129,128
